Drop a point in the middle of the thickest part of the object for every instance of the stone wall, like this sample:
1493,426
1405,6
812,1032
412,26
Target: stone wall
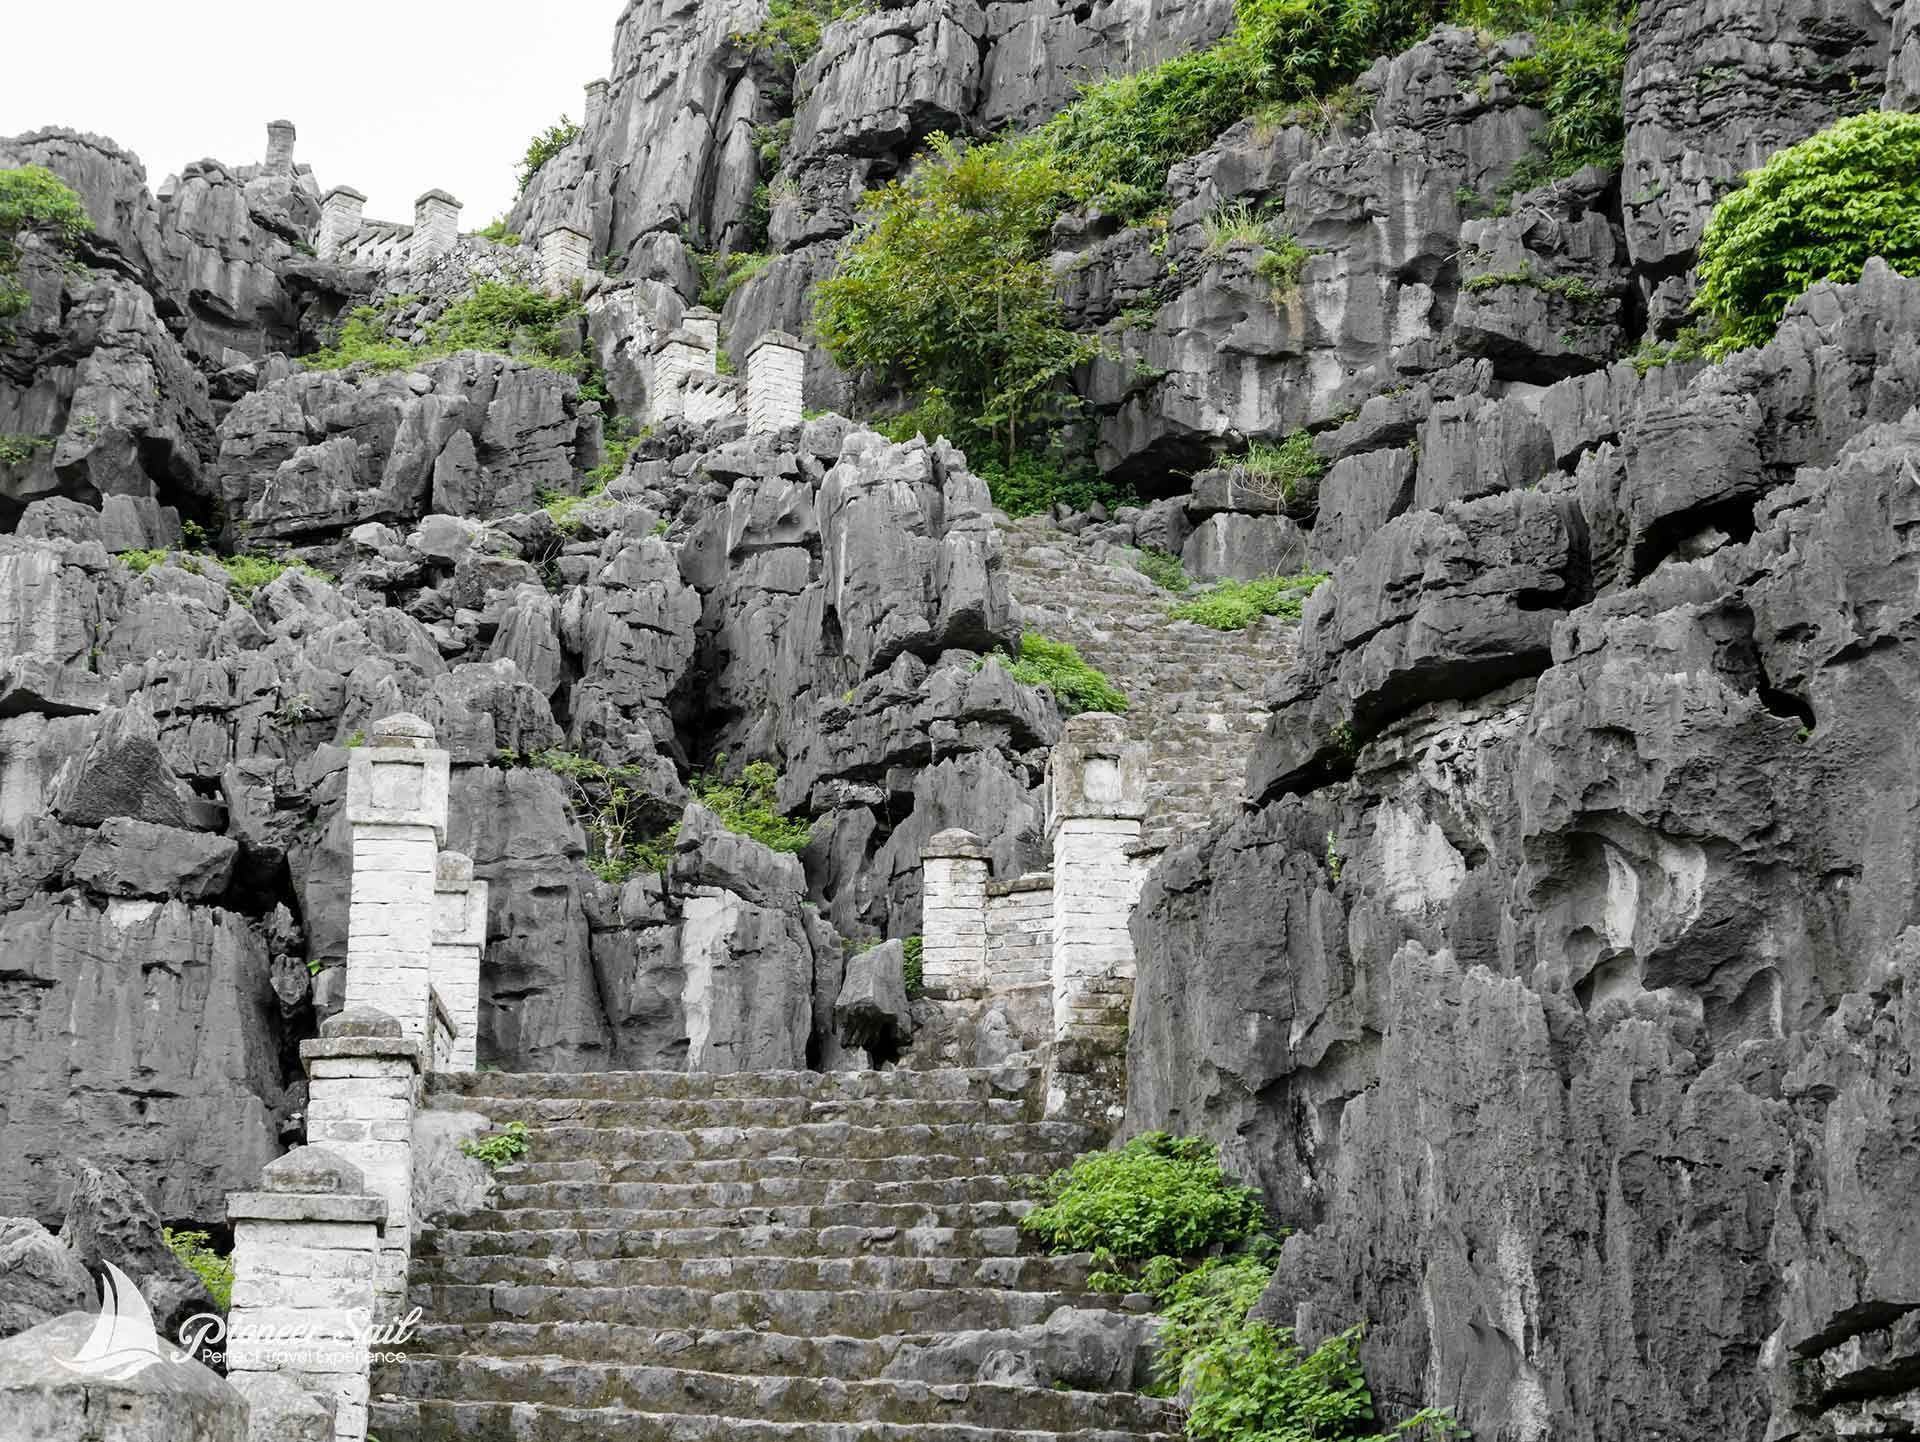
1019,928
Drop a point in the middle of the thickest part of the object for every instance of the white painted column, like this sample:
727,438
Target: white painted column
280,138
363,1085
678,355
397,809
304,1260
459,936
1096,799
776,382
340,217
564,256
436,226
953,915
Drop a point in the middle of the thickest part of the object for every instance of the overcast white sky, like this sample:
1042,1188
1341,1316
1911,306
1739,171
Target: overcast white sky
392,97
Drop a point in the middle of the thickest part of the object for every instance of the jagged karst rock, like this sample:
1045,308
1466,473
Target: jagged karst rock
40,1277
109,1220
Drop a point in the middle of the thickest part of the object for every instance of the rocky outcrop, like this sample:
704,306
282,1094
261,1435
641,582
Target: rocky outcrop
1578,959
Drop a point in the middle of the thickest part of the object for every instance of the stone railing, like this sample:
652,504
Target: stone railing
685,380
1062,934
331,1229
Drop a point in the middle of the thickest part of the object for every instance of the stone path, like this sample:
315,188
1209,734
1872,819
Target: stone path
1196,695
751,1258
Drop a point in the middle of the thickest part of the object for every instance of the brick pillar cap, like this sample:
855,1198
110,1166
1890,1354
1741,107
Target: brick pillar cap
360,1021
596,85
315,1171
279,125
436,195
572,230
682,337
403,731
453,872
344,192
1095,728
954,844
779,338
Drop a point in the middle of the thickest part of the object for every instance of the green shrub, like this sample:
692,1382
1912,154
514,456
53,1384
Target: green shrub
1235,224
722,275
1158,1195
1033,484
915,966
1280,265
363,339
248,573
501,1148
496,231
750,806
1254,1383
195,1250
1280,471
947,290
1198,1306
141,562
627,830
512,320
1163,569
1236,605
790,35
565,510
1576,74
1058,666
17,450
1815,211
1692,343
544,146
34,198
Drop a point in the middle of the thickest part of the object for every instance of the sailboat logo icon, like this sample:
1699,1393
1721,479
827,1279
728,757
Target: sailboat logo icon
123,1342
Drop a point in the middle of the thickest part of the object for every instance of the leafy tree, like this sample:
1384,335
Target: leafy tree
33,197
948,290
544,146
1815,211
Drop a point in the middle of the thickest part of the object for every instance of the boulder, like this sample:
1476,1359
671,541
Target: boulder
110,1220
127,857
872,1011
40,1277
168,1401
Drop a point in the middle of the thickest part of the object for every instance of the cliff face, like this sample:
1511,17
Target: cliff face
1555,979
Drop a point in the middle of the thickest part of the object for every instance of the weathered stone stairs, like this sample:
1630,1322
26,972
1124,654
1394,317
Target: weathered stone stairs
1196,696
754,1258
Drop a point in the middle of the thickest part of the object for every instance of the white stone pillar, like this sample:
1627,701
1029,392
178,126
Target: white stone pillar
459,936
340,212
953,915
363,1084
564,256
705,324
776,382
280,138
397,809
676,356
304,1259
596,105
1096,799
436,226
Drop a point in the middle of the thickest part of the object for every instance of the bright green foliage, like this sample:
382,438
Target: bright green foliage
141,562
248,573
513,320
626,828
722,275
1255,1384
790,35
496,231
1280,471
914,967
1158,1195
1280,266
195,1249
1575,74
1163,569
1035,483
1200,1305
750,806
1693,343
1058,666
17,450
31,196
948,290
1236,605
544,146
1815,211
500,1148
565,510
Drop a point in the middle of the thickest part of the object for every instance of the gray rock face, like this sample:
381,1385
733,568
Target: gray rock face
110,1220
167,1402
1588,964
40,1277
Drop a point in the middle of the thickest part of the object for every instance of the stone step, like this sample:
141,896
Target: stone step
702,1112
567,1141
771,1274
959,1215
679,1393
771,1240
746,1169
1004,1083
741,1350
803,1190
396,1420
797,1311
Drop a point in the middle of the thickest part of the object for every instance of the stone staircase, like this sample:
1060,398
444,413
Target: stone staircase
765,1257
1196,695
